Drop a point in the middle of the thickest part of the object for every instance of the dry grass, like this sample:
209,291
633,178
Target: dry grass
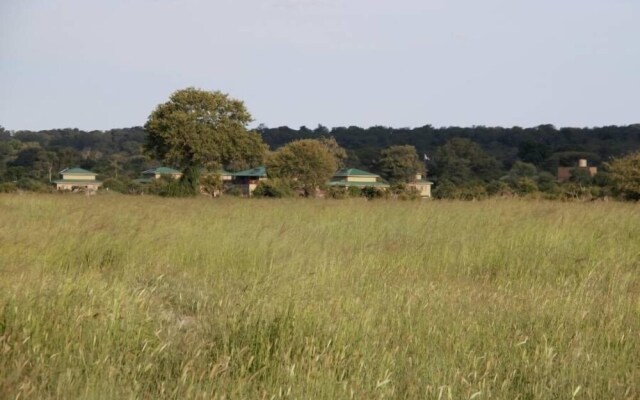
144,297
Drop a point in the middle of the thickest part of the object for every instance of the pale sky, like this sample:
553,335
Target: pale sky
101,64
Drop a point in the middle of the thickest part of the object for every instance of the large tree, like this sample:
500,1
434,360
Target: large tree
624,173
400,164
198,129
306,164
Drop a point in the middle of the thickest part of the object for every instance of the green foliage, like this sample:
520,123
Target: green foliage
463,162
137,188
117,153
339,154
116,185
335,192
234,191
8,187
33,185
581,177
177,188
211,184
354,191
499,188
198,128
401,191
166,186
451,191
523,170
624,173
400,164
547,182
534,153
190,181
305,164
372,193
526,185
273,188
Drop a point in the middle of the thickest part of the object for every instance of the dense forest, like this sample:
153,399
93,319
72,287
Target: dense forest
460,159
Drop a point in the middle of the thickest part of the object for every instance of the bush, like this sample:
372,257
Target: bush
372,192
624,175
115,185
8,187
32,185
234,191
409,194
354,191
448,190
526,186
211,185
335,192
401,191
499,188
177,188
273,188
547,183
137,188
168,187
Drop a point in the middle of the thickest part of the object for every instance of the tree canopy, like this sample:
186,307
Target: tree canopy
462,161
624,173
400,164
198,128
307,164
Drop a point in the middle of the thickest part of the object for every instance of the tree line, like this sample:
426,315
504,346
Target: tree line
197,130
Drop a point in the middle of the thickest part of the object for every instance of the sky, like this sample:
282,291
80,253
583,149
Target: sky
98,64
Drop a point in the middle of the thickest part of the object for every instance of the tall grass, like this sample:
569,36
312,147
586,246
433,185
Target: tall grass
145,297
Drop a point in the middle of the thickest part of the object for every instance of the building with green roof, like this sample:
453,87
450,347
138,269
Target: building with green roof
248,180
152,174
75,179
353,177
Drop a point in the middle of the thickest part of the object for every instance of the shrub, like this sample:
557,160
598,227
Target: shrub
401,191
234,191
211,184
354,191
273,188
624,174
8,187
472,191
499,188
336,192
33,185
136,188
116,185
372,192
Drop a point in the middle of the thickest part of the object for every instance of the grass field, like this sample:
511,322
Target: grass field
143,297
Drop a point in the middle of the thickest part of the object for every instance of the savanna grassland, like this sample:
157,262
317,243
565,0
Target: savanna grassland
144,297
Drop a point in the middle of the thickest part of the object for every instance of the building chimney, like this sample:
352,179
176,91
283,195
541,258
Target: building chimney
418,176
582,163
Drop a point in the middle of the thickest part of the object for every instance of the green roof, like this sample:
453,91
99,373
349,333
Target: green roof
353,172
260,171
357,184
76,171
162,171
